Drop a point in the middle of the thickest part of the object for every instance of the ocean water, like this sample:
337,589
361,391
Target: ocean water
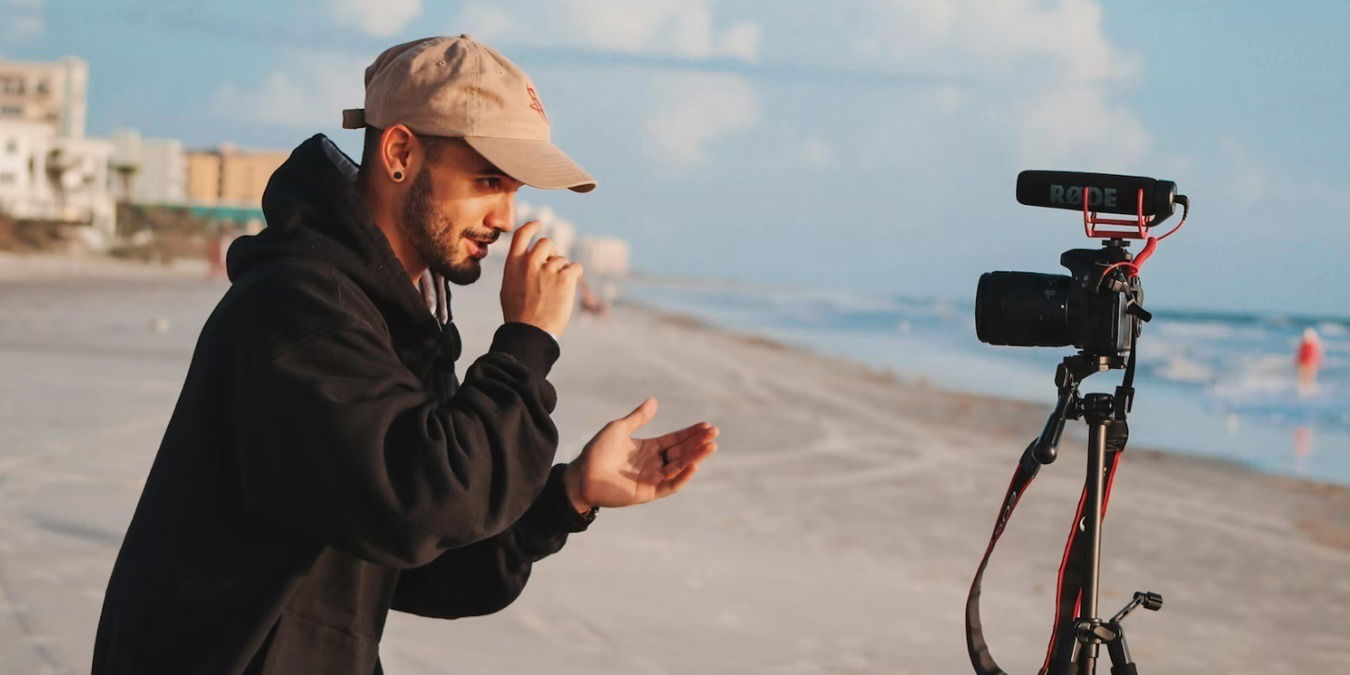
1213,384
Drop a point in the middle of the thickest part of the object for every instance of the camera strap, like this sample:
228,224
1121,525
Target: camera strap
980,658
1073,565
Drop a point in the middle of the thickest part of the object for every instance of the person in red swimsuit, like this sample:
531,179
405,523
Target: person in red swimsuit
1309,360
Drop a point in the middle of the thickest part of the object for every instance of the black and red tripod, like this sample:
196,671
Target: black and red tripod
1098,308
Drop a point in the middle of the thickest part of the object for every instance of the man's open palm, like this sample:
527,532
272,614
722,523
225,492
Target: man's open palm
615,469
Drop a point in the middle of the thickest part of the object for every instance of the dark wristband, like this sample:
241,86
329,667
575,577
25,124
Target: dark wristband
554,500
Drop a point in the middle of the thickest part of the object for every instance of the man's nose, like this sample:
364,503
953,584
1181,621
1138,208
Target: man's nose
502,217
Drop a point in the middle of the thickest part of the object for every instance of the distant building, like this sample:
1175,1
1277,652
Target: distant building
603,256
51,93
229,175
49,172
59,179
148,170
560,231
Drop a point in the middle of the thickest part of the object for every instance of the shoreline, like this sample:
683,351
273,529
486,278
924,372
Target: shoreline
39,267
1036,410
1170,311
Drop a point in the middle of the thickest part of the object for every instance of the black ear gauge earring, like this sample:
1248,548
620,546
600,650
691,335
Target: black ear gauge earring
398,175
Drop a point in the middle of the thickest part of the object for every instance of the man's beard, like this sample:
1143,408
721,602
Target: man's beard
432,234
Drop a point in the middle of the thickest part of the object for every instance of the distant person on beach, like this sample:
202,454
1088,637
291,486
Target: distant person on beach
325,464
216,248
591,302
1309,361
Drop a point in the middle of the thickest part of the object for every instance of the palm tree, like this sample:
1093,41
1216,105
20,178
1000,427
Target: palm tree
56,173
126,176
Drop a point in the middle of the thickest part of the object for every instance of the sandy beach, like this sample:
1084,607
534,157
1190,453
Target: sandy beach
835,532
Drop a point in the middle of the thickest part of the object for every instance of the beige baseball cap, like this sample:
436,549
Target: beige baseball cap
460,87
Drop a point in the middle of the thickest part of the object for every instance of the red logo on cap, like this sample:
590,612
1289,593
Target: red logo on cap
535,105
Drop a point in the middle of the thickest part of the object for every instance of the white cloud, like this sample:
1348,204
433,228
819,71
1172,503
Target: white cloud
691,111
684,28
24,26
1248,180
1032,81
741,40
1042,77
817,153
686,113
1063,40
384,18
308,92
1077,126
21,19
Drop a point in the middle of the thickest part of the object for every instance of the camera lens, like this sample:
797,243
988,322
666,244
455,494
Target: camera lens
1023,309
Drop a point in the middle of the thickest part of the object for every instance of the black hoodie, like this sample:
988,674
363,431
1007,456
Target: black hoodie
323,464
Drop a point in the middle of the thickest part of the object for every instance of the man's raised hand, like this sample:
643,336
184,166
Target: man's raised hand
615,469
538,287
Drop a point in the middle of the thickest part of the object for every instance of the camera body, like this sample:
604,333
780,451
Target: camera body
1091,308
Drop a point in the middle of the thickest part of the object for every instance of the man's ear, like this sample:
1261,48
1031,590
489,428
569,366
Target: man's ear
399,153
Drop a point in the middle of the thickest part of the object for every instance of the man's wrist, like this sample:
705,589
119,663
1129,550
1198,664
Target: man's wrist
572,481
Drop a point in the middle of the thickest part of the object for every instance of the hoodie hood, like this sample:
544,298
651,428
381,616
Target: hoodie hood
314,211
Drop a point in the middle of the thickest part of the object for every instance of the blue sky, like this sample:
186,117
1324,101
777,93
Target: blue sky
866,145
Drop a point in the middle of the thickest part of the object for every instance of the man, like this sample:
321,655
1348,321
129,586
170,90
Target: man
324,464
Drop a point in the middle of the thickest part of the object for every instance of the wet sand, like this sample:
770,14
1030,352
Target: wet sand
836,531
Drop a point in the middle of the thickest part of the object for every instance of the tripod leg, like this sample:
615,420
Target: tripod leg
1098,407
1120,654
1092,515
1087,659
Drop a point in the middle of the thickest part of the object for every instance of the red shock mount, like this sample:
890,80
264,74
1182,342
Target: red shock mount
1140,224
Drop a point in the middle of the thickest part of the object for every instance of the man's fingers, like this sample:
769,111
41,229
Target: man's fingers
555,263
670,439
689,444
520,239
640,416
681,459
670,487
542,251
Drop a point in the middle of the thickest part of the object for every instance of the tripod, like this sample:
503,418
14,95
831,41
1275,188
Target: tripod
1076,646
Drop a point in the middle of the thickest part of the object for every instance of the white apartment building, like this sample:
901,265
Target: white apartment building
48,177
49,171
52,93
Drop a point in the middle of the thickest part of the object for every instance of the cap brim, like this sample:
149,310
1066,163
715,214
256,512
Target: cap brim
535,163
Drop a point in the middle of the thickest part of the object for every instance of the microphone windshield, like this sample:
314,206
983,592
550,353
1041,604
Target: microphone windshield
1106,192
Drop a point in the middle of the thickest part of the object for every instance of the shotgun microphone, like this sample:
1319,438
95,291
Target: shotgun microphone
1106,193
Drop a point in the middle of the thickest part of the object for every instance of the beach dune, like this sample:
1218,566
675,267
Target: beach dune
836,531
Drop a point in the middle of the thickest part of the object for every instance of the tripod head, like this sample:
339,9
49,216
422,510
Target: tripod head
1070,373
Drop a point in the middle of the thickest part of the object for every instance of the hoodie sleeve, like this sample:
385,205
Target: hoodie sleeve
338,439
486,576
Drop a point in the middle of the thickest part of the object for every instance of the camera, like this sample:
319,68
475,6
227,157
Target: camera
1098,306
1096,315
